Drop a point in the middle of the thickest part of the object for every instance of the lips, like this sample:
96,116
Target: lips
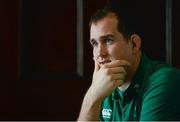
104,62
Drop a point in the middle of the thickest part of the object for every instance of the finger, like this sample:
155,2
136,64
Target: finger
96,65
118,76
117,70
117,63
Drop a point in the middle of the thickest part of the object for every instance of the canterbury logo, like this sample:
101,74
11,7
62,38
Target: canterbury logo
106,113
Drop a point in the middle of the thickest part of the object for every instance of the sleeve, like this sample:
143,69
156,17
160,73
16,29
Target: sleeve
161,99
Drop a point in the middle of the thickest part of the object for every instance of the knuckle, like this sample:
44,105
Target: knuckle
104,67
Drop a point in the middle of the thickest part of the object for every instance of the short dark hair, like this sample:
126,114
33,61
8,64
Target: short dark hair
128,19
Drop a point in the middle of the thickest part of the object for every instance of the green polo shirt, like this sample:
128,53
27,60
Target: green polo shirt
153,95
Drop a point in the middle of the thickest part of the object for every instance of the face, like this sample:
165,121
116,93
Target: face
108,43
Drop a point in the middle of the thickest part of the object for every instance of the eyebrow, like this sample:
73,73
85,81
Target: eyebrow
102,37
107,36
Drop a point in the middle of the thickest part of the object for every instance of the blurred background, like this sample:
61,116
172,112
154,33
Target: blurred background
46,59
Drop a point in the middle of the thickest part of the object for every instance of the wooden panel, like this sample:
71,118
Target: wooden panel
8,39
48,39
49,88
176,33
153,23
50,99
8,58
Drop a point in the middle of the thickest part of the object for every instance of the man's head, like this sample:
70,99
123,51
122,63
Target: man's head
111,41
128,16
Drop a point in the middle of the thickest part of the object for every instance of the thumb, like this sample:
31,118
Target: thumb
96,66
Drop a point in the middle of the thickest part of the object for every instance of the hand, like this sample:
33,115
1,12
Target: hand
107,78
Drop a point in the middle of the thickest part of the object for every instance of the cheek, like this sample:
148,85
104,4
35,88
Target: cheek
119,52
115,51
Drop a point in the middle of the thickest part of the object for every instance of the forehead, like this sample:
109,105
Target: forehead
107,25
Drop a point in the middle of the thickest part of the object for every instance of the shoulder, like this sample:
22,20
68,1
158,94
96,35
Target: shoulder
160,94
165,69
162,83
164,74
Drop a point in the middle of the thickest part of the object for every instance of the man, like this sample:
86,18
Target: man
126,84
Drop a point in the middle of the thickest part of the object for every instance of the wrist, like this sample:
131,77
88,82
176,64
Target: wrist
93,97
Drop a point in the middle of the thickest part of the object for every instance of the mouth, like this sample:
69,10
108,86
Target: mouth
104,62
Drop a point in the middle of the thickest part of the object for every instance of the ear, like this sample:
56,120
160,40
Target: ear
136,41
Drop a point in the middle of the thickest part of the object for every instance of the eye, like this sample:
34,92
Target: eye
94,43
108,41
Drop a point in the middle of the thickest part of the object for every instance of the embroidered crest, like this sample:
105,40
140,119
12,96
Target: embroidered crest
106,113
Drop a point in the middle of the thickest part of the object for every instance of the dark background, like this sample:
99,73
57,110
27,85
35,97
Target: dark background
38,76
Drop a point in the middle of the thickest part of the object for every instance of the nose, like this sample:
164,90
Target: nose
101,50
